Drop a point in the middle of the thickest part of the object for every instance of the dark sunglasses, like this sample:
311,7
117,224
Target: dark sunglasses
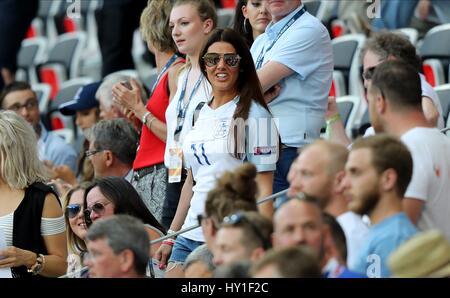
72,210
238,218
98,208
368,73
212,59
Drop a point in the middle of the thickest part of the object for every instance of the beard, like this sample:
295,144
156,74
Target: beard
367,202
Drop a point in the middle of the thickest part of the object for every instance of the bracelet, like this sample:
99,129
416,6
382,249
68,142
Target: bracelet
333,119
329,122
37,267
171,232
150,122
169,241
144,117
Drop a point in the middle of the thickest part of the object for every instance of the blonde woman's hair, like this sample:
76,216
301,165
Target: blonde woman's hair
19,160
75,244
155,25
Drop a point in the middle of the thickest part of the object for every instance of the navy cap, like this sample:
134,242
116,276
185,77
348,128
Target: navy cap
83,100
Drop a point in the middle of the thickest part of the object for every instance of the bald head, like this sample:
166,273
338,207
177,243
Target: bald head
315,171
298,221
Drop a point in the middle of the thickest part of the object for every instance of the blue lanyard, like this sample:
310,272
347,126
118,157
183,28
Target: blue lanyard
165,68
294,18
181,111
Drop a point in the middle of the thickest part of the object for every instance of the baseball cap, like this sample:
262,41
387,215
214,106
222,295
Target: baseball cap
84,99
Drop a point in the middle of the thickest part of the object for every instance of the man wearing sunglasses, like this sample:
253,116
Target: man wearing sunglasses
242,236
294,52
112,148
20,98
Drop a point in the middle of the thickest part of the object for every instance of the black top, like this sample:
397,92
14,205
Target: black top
27,224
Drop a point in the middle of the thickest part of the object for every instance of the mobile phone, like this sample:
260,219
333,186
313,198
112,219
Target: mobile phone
126,84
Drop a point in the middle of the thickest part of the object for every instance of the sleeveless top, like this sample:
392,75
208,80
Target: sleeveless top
151,148
27,224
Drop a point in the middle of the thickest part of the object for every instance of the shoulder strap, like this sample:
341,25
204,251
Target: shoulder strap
197,112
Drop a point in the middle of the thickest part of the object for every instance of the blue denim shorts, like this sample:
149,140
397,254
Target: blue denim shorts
182,248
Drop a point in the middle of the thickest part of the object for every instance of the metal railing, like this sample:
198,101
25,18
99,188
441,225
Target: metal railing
263,200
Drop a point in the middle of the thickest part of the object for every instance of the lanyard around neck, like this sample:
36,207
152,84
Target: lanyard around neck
294,18
181,109
165,68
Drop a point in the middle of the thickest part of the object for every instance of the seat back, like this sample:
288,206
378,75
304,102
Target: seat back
43,95
225,17
348,107
433,72
346,51
436,45
31,54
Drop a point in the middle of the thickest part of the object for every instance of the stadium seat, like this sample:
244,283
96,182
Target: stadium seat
63,61
348,109
433,72
225,17
66,93
31,53
346,51
43,95
435,45
338,85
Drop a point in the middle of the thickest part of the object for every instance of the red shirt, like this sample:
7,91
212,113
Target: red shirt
151,148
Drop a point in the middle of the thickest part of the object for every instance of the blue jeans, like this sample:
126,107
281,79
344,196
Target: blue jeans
288,155
182,248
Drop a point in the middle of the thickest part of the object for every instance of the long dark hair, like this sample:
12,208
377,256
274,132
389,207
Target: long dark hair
125,198
244,28
248,85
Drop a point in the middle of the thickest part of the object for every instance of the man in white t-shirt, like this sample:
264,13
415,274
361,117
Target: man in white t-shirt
318,172
394,95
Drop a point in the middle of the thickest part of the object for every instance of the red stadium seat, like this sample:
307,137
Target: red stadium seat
433,72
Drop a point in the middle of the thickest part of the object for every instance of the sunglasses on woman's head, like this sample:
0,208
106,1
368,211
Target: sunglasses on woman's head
72,210
212,59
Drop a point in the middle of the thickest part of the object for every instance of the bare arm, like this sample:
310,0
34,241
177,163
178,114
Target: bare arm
413,208
335,127
55,263
430,111
164,251
265,182
271,73
184,203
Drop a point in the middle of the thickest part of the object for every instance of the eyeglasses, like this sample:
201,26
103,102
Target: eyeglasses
98,208
237,218
212,59
92,152
72,210
29,105
368,73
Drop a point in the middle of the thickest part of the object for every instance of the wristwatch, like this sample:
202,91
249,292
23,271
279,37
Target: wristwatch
144,117
37,267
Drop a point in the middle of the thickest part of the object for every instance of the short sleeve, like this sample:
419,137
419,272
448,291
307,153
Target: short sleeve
262,139
418,187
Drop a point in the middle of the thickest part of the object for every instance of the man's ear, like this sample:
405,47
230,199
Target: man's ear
389,180
109,158
338,187
126,260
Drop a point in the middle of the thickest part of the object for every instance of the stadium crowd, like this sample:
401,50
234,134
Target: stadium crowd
238,159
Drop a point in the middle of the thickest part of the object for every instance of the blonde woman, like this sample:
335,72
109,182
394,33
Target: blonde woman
76,226
31,217
150,174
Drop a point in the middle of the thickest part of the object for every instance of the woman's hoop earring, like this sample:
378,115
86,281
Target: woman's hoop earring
245,25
